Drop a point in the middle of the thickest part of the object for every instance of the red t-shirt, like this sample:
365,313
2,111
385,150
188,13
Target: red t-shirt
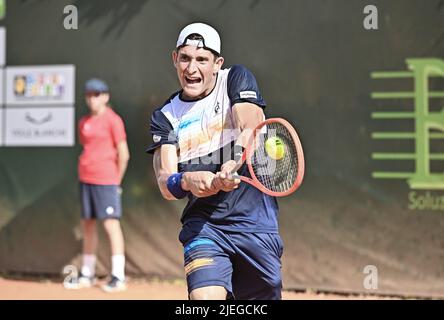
99,135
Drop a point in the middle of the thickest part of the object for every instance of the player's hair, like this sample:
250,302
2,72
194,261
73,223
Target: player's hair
196,36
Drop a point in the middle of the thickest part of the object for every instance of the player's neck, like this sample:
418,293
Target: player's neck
99,111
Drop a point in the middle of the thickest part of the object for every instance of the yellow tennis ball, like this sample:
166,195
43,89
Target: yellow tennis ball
275,148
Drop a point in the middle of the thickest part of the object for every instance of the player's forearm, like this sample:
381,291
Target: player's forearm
122,166
165,165
123,157
162,182
245,138
246,117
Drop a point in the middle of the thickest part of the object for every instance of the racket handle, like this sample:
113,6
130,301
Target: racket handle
235,176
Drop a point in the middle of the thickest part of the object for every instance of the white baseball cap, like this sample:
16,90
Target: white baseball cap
211,39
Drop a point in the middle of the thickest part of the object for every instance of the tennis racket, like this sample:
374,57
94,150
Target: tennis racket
275,159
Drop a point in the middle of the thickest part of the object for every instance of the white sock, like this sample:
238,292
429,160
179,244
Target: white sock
89,265
118,266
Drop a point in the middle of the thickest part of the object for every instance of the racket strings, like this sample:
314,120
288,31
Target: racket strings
277,175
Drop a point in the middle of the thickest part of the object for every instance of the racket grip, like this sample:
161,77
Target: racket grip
234,176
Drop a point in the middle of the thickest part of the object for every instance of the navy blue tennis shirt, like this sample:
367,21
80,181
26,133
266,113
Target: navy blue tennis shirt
204,133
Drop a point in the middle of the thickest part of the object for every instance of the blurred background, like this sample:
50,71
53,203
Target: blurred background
313,61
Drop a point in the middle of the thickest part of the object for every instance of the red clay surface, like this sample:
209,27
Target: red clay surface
137,290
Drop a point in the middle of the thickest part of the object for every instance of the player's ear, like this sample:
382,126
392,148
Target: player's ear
218,64
174,57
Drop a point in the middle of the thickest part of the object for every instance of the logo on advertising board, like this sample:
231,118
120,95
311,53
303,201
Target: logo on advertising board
39,126
39,85
426,135
39,106
2,9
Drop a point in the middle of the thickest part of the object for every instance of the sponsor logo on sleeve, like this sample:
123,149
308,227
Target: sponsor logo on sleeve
248,94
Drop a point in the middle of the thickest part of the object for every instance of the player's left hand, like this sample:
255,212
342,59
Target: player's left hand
224,179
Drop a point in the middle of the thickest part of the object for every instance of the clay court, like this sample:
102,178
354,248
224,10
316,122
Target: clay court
138,289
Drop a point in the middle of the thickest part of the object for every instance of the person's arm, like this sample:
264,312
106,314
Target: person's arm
165,164
123,157
247,113
165,160
246,117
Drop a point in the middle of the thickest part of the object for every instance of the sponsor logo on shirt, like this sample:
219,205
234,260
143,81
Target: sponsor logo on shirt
248,94
217,108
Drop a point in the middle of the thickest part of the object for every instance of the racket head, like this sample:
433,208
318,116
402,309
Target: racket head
275,177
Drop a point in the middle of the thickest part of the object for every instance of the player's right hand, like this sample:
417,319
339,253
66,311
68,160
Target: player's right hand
199,183
224,179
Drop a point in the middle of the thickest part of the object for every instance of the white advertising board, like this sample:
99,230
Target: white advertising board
40,85
53,126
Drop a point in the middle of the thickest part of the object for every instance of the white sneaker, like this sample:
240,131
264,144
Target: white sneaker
114,285
79,282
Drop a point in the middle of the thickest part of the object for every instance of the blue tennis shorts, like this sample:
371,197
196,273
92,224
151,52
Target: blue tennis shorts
248,265
100,201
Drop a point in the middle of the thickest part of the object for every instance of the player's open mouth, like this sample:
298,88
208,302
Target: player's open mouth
193,80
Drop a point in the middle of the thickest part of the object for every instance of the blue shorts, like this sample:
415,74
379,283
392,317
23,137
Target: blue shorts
248,265
100,201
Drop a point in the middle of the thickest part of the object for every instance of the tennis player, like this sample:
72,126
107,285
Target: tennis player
232,248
